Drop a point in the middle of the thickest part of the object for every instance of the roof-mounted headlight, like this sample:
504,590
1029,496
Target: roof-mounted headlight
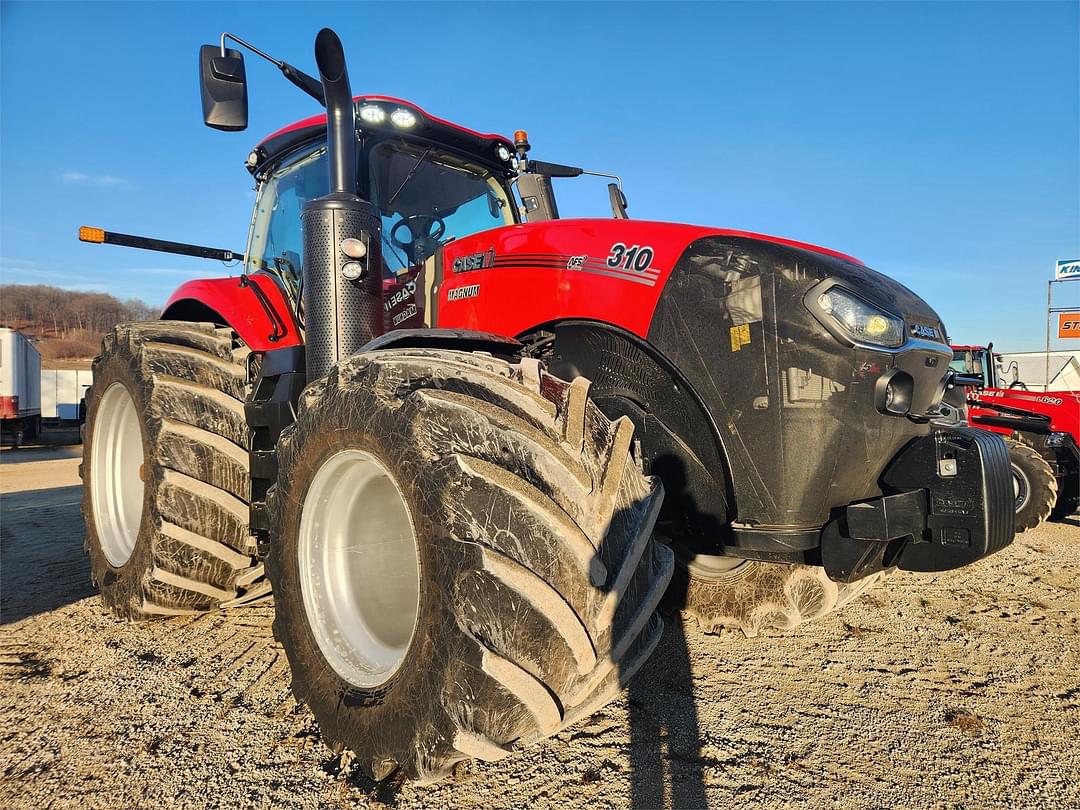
372,114
860,320
502,152
406,119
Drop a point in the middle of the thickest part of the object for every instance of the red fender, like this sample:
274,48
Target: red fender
263,322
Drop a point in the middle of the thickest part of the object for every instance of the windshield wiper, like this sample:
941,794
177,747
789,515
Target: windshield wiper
408,177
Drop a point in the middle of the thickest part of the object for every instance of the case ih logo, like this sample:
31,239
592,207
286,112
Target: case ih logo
922,331
401,295
475,261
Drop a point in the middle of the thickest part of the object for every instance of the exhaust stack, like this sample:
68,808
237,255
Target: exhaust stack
342,257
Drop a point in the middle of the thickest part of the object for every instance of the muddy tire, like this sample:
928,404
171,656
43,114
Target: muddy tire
528,582
756,597
1034,485
165,471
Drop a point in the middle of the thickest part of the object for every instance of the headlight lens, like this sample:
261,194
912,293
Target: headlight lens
372,114
861,320
403,118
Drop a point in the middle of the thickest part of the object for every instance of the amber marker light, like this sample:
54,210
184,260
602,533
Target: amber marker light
87,234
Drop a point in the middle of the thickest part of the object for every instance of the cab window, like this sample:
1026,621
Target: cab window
275,241
426,197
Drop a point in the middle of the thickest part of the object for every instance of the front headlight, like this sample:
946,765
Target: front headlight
860,320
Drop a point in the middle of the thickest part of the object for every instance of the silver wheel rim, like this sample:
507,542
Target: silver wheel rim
1021,488
715,566
359,569
116,486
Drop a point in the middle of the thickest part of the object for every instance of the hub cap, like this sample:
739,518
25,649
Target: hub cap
1021,487
359,574
116,489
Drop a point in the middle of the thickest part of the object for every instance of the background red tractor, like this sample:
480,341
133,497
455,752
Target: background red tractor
1041,429
469,444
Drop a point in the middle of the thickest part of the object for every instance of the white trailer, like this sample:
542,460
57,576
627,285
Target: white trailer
20,386
62,391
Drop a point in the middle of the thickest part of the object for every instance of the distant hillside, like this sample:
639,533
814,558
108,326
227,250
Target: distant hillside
68,324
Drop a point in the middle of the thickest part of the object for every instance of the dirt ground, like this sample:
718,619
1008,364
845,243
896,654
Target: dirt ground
956,690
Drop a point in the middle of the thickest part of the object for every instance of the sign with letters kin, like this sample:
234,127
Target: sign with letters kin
1067,269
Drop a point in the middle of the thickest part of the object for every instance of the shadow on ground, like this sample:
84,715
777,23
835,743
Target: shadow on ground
665,740
42,564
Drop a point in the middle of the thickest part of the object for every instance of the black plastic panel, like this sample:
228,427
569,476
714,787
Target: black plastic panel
794,405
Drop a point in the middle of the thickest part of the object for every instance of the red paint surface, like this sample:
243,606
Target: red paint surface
9,407
532,284
240,308
1063,408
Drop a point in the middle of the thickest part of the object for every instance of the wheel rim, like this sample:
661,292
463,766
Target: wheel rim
715,566
1021,488
359,569
116,484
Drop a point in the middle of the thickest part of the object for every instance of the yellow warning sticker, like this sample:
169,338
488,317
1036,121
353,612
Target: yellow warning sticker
740,336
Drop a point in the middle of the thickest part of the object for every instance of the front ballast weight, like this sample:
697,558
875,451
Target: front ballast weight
948,503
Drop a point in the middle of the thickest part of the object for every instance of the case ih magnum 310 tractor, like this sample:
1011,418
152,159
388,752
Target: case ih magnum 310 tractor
1041,430
470,446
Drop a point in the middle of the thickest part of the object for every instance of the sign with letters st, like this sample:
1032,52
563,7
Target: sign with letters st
1069,325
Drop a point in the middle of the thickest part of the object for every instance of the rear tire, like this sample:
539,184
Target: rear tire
165,471
756,597
534,583
1034,485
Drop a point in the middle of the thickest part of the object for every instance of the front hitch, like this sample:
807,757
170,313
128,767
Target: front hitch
949,503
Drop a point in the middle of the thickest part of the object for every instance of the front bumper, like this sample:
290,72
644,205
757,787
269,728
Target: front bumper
949,503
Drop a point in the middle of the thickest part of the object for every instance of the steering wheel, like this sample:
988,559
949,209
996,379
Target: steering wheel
425,231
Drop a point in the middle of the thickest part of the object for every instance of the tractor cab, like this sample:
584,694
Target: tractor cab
982,361
431,181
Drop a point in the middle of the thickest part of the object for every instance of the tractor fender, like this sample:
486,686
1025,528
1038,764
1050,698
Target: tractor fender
253,305
466,340
680,442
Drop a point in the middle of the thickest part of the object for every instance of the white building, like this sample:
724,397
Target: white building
1031,369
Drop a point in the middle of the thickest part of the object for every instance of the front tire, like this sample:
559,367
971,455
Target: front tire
1034,485
165,471
511,585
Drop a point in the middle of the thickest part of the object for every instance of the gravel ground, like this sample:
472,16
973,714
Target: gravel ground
956,690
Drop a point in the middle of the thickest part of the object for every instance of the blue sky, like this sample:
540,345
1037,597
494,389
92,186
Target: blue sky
938,142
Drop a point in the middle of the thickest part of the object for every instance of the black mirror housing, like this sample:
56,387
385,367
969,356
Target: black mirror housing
224,88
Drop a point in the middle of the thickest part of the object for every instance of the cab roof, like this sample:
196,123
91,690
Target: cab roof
286,138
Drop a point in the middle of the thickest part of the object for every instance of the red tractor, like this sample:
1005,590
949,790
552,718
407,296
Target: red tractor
1041,430
466,551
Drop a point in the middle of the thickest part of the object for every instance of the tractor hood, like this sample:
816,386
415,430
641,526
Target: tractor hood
644,254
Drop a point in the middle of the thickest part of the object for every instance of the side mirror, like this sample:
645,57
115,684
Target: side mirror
224,88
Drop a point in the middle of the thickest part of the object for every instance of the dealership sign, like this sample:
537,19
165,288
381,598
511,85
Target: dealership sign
1067,269
1069,325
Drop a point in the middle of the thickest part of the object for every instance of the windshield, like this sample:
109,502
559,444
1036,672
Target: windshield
969,362
426,197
